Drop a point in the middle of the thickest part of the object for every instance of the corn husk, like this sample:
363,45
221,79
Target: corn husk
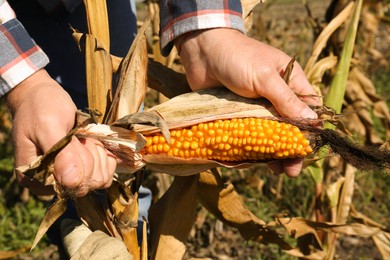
179,112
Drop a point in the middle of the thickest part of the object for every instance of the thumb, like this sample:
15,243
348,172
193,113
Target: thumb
69,164
284,99
72,163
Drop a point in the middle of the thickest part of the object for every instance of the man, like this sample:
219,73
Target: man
214,50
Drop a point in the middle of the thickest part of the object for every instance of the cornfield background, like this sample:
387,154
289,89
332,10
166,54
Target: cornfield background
292,26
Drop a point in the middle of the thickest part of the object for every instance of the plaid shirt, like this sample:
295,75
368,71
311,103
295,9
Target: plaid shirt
179,17
20,57
23,57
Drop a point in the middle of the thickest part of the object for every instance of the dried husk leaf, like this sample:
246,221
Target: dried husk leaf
181,111
40,169
123,143
207,105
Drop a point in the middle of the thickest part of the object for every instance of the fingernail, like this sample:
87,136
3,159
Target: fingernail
308,113
70,176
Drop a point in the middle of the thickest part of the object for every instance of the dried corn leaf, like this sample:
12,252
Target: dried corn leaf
97,21
381,239
382,242
346,194
131,87
323,38
93,214
51,215
99,74
13,254
98,71
248,6
166,81
124,206
144,245
298,227
333,192
223,201
171,219
316,72
226,205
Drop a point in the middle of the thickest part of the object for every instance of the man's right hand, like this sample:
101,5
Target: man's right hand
43,113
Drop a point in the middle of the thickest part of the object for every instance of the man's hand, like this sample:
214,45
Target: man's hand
251,69
43,113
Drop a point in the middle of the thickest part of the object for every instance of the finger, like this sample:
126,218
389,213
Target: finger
104,164
292,167
283,98
92,178
300,85
108,166
102,174
73,164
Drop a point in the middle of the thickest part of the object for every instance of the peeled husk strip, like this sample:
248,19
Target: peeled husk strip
206,105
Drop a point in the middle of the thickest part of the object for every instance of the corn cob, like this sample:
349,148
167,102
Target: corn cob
237,139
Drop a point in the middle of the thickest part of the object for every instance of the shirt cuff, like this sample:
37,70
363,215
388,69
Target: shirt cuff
22,57
6,12
197,21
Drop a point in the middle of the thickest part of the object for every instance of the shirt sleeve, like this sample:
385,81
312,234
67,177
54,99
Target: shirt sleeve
178,17
20,56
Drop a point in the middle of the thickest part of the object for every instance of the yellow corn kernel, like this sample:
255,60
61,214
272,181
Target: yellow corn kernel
237,139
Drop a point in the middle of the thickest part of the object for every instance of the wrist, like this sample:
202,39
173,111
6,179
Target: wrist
204,38
26,88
